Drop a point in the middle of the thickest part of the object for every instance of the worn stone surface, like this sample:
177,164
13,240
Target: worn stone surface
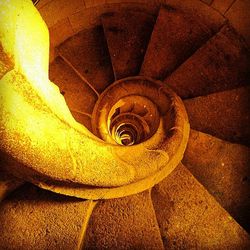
90,17
176,36
62,8
88,54
32,218
222,63
239,17
60,32
127,35
207,1
92,3
125,223
190,218
42,3
79,97
83,118
223,168
222,5
225,115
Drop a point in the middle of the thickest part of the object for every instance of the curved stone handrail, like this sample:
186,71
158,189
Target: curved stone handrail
38,130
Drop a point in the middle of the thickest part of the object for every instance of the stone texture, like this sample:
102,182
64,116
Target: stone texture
222,63
125,223
42,3
79,96
88,54
207,1
223,169
239,17
92,3
190,218
60,32
176,36
90,17
32,218
222,5
55,10
83,118
224,115
127,35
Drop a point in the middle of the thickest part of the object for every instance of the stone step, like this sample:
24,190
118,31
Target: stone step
223,169
190,218
124,223
88,54
176,36
222,63
78,95
127,35
225,115
32,218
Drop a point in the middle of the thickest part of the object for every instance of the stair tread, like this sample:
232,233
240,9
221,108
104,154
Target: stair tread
223,169
79,97
124,223
88,53
189,217
222,63
127,34
224,115
176,36
32,218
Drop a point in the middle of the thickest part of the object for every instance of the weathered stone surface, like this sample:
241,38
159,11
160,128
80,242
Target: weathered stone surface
222,63
207,1
60,32
127,35
222,5
62,8
190,218
125,223
223,168
176,36
88,54
239,17
79,97
225,115
32,218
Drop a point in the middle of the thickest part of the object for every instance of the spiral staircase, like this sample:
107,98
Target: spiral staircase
123,78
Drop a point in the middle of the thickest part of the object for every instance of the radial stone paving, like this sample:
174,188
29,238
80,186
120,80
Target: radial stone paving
125,223
176,36
127,35
189,217
222,63
32,218
225,115
87,53
223,169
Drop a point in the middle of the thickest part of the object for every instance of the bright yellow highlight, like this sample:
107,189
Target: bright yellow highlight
38,130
